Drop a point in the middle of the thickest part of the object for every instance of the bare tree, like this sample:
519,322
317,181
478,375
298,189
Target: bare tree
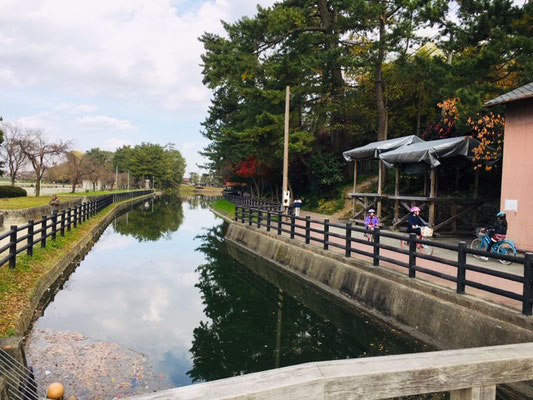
40,153
77,166
10,152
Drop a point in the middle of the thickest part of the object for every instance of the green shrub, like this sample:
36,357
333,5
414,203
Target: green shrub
12,191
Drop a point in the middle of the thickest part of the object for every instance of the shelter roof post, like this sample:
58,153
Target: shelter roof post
397,193
380,187
354,200
432,194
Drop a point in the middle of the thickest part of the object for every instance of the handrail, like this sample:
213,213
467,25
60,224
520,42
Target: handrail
321,232
51,226
466,373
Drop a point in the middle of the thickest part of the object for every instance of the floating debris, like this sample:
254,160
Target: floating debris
90,369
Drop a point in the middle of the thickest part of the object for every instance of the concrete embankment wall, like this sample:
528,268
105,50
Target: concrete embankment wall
434,314
57,274
431,313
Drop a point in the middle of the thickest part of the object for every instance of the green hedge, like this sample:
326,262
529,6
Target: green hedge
12,191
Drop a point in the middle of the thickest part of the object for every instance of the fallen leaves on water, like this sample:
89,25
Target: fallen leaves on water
90,369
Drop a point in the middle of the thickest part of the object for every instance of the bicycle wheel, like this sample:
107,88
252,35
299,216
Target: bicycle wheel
477,244
425,249
506,248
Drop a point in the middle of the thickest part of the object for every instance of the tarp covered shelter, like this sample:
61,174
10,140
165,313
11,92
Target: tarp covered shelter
374,149
431,152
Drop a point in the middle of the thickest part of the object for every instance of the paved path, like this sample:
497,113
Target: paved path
515,268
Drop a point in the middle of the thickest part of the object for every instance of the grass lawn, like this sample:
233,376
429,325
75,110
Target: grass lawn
17,203
224,207
17,285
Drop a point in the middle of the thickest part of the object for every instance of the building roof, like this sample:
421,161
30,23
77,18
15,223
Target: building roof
522,93
374,149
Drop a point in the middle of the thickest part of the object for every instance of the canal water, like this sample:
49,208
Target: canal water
158,302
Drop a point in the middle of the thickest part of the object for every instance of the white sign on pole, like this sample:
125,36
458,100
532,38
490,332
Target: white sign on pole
286,198
511,205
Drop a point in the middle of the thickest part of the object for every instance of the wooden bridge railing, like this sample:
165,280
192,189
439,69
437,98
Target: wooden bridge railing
320,232
468,374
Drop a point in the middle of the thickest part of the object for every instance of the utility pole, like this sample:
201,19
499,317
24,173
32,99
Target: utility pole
286,196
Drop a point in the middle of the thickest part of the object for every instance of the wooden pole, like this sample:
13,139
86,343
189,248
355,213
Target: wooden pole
285,185
354,200
432,193
397,193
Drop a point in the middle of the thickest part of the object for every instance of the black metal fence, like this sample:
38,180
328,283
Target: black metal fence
38,232
319,231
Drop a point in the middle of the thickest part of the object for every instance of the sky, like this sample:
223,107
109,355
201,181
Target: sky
111,73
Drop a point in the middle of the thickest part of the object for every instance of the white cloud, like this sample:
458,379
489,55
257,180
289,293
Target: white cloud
126,49
114,143
104,123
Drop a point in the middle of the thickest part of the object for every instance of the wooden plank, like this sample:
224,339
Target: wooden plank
437,227
478,370
477,393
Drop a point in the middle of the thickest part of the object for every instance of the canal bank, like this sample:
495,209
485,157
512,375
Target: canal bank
433,314
52,277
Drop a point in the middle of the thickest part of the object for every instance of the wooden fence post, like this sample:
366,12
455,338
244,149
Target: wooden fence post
54,226
269,220
280,222
250,216
259,216
62,231
43,231
412,255
292,226
236,213
326,234
69,212
377,238
307,229
13,247
348,242
29,250
461,267
527,303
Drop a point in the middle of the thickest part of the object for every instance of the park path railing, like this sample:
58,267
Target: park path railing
314,231
24,238
253,202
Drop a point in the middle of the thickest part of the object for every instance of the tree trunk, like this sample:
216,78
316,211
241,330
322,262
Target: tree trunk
378,78
419,109
74,187
38,187
13,177
333,80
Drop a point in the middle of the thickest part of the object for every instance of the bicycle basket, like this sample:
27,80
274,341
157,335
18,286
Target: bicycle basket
426,231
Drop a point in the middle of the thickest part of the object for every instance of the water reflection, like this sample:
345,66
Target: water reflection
152,220
256,325
198,315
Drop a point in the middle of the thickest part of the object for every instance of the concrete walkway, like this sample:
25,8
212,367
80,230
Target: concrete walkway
515,269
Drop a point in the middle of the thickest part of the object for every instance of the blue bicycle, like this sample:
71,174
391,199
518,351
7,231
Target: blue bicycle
507,247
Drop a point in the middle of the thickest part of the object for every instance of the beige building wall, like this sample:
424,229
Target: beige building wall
517,180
